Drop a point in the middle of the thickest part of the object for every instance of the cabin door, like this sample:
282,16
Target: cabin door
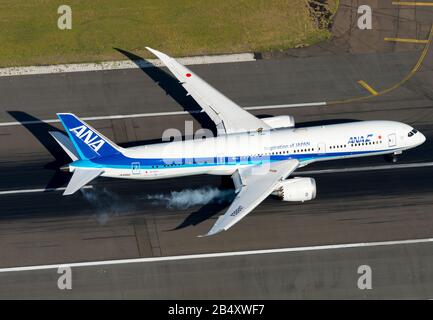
392,140
135,167
321,147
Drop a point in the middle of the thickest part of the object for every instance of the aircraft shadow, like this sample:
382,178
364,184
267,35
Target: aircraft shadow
40,130
210,209
172,87
202,214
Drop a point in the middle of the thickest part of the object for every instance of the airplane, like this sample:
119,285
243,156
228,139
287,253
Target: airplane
260,155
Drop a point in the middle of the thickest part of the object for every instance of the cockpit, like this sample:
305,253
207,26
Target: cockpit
412,132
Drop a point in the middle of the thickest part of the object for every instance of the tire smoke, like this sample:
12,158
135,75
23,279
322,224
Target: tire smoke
191,197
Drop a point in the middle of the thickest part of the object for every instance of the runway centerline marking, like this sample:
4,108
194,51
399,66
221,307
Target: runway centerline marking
217,255
366,86
323,171
6,192
161,114
368,168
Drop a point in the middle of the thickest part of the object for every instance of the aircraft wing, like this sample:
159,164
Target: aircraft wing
227,115
255,184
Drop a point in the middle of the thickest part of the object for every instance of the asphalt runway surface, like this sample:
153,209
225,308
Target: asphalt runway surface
118,219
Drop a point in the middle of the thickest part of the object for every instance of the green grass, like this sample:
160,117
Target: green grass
29,33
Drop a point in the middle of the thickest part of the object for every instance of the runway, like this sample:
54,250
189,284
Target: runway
117,219
398,272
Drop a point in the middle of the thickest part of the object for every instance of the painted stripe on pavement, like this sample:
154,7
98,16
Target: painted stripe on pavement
217,255
161,114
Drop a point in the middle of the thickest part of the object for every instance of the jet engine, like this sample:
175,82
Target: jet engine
280,122
296,189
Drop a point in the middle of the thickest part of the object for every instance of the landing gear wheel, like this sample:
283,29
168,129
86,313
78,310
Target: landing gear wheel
391,158
226,183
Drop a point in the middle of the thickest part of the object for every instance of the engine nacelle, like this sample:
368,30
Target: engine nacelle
280,122
296,189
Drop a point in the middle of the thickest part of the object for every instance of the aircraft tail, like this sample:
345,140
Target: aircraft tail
84,143
88,142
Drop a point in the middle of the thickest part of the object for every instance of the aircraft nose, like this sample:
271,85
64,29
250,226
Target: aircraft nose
421,138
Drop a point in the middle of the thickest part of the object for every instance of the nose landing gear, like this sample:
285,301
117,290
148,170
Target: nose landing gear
393,158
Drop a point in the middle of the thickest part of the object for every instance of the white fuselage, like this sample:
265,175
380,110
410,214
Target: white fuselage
223,155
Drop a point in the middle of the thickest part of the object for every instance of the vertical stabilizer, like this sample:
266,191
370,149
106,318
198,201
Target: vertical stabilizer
88,142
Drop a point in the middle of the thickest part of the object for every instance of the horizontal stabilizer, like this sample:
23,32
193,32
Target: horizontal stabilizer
65,143
80,178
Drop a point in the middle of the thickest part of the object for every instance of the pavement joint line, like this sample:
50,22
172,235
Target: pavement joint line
323,171
366,86
413,3
406,40
217,255
123,64
161,114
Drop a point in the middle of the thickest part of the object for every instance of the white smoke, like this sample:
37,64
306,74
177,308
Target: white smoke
106,203
191,197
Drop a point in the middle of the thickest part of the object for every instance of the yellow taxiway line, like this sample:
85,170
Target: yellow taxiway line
399,83
413,3
367,87
407,40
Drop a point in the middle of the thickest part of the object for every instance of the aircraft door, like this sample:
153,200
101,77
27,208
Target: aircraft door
135,167
321,147
392,140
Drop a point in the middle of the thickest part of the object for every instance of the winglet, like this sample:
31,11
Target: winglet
215,229
162,56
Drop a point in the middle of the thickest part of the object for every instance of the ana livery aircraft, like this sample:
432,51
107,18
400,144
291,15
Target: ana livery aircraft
259,154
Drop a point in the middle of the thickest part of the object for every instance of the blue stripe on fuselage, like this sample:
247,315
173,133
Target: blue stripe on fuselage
119,161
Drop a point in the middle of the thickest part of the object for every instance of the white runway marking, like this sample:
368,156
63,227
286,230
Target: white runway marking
124,64
37,190
369,168
218,255
161,114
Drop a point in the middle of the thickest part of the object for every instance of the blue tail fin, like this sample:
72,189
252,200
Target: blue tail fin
88,142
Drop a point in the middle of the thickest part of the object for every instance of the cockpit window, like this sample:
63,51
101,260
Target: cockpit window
410,134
